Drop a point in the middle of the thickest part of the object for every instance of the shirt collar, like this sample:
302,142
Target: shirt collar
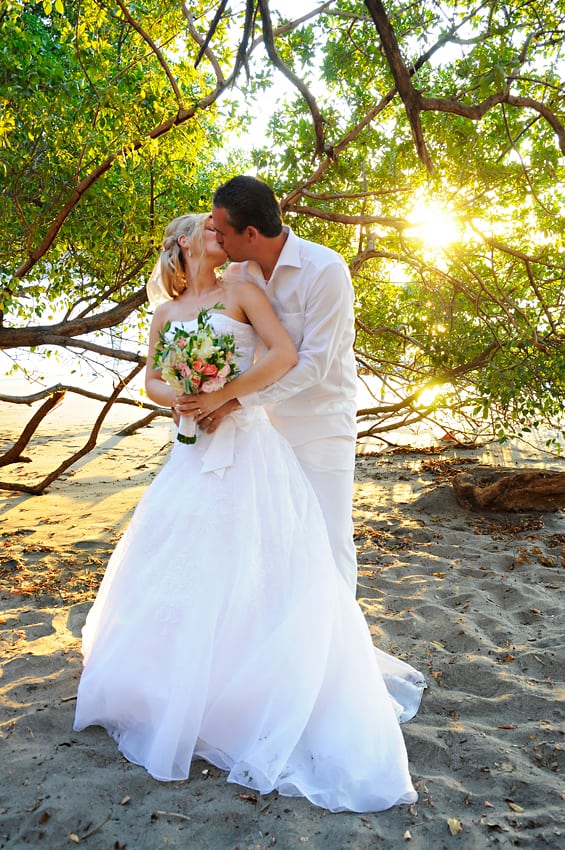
289,256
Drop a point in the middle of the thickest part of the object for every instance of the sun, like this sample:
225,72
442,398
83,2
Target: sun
427,396
433,225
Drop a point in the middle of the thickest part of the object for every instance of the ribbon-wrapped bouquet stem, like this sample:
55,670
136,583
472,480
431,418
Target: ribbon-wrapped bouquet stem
195,361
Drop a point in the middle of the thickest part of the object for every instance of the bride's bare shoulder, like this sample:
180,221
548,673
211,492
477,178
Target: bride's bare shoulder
163,313
235,273
237,282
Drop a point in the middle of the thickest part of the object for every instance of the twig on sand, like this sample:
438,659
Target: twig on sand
173,815
95,828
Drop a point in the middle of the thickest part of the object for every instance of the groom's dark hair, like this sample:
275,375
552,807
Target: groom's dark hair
250,203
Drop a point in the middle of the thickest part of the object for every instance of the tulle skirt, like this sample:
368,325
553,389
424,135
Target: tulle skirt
222,629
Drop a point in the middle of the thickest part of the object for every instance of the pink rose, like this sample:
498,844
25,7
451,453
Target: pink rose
224,371
198,365
212,385
184,369
196,379
209,370
181,342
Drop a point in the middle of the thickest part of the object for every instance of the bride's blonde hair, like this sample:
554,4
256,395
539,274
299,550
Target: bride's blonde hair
174,275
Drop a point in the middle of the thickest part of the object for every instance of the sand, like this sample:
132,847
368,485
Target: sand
473,600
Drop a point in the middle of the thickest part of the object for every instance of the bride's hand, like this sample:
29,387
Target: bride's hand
211,422
202,408
199,407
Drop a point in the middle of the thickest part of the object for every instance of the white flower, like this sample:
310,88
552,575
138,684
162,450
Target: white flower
170,377
204,347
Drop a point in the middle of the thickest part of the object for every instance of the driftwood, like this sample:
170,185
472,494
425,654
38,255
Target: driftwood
141,423
499,489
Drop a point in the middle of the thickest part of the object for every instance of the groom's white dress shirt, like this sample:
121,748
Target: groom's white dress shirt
314,405
311,291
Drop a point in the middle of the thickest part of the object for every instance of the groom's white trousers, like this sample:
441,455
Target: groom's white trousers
329,466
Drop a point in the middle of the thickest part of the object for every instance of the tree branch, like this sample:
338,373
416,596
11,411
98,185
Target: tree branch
160,58
13,455
552,120
443,377
399,224
368,118
39,489
140,423
86,345
37,335
205,50
212,29
402,78
321,148
64,388
92,303
477,111
513,252
87,182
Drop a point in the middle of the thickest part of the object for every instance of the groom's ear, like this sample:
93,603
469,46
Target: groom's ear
252,233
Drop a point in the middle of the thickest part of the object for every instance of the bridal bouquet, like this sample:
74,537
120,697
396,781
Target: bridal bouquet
198,361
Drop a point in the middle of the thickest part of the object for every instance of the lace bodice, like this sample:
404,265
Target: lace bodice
244,335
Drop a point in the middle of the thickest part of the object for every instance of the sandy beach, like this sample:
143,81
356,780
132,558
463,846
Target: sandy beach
472,600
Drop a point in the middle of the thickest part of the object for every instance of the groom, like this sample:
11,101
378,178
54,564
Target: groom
314,405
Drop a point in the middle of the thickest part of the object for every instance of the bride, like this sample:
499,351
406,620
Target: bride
222,628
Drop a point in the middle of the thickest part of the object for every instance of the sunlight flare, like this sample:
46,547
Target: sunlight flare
434,226
428,395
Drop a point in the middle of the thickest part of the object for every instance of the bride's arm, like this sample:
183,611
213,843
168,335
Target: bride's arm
156,388
279,356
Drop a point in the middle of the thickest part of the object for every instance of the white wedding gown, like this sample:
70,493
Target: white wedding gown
222,629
